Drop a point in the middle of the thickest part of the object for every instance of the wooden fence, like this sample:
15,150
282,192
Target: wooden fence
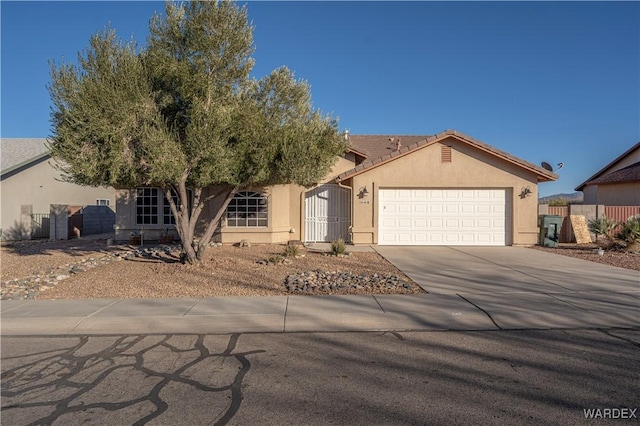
566,232
620,214
617,213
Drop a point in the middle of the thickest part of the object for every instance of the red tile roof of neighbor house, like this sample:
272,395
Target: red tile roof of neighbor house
628,174
608,166
381,149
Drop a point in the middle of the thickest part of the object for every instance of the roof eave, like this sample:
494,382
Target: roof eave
10,171
543,175
602,170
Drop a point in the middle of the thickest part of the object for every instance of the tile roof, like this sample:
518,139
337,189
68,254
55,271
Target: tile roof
608,166
380,154
16,152
628,174
375,146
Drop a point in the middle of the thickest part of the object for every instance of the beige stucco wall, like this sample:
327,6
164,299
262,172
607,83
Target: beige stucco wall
469,168
590,194
631,158
40,187
277,230
285,217
614,194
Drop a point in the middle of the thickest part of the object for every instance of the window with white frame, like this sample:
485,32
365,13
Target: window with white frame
102,202
247,209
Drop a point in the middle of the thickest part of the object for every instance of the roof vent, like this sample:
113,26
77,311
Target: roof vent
445,153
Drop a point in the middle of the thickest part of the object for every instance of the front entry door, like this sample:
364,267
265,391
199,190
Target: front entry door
327,213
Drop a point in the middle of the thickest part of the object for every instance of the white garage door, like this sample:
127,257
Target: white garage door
443,217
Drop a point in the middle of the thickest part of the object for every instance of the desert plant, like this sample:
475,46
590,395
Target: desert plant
338,247
602,226
291,250
630,233
276,259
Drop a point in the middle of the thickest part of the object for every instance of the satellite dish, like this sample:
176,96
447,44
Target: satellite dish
547,166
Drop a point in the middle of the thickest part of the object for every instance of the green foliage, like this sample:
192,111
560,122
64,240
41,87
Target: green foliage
276,259
557,202
602,226
182,112
338,247
291,250
630,231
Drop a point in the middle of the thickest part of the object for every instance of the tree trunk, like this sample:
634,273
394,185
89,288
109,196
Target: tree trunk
211,227
186,220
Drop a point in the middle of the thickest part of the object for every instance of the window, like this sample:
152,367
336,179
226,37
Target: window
152,207
247,209
167,216
147,206
102,202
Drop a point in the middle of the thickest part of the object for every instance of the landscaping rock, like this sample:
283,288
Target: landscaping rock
318,281
30,287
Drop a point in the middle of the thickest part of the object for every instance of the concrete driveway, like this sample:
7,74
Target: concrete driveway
519,287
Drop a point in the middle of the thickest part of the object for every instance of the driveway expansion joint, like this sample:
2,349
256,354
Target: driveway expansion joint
376,299
478,307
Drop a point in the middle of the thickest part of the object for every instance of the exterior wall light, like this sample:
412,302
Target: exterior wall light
525,192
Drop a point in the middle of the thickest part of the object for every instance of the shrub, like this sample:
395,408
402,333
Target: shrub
276,259
558,202
602,226
291,250
630,233
338,247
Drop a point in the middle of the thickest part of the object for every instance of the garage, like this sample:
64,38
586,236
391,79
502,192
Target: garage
451,216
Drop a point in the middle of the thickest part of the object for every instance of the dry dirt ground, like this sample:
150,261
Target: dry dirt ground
613,256
228,270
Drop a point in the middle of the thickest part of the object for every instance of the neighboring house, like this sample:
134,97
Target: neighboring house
617,183
29,184
447,189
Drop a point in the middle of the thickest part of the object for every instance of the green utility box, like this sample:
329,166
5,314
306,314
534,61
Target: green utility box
550,226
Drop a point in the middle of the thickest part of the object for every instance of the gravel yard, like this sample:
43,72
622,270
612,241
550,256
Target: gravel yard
227,271
88,268
611,257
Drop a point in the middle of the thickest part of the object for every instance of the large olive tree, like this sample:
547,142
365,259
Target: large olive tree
183,114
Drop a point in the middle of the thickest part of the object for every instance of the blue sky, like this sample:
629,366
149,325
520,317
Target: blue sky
546,81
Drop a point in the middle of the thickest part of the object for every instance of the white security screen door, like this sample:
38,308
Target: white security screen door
327,213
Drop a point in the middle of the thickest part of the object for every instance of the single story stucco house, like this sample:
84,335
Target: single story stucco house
30,184
617,183
446,189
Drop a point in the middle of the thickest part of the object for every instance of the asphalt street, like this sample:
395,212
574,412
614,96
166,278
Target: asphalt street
391,378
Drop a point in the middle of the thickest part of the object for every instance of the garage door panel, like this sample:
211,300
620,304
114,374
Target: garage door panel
442,217
468,238
467,224
420,224
467,209
404,223
451,239
420,208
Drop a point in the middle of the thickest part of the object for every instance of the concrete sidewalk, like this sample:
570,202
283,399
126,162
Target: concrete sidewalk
280,314
241,314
